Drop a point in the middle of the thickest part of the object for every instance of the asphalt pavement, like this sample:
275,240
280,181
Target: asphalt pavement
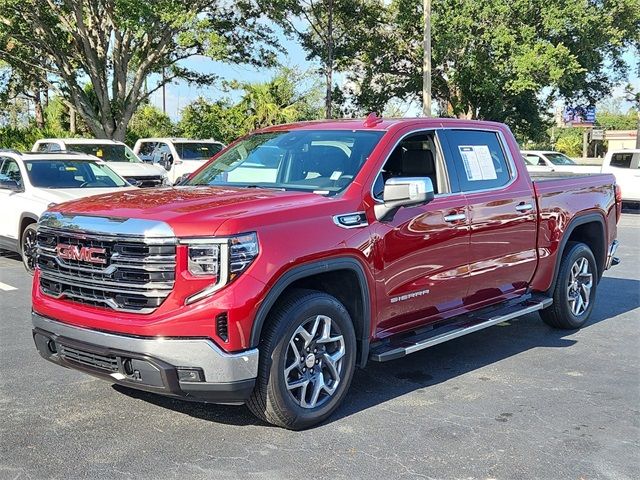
515,401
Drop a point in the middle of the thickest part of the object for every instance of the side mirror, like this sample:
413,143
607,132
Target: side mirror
9,184
182,178
403,192
166,160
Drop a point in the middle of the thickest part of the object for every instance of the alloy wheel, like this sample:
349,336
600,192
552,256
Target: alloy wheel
579,287
313,364
29,249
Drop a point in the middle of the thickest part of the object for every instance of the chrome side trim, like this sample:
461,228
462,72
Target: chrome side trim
218,366
133,229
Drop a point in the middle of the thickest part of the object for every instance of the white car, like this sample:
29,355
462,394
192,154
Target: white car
31,182
625,165
549,161
179,156
117,155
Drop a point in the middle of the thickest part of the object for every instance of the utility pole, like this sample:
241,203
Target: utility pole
426,65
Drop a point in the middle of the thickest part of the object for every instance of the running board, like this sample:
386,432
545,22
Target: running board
457,328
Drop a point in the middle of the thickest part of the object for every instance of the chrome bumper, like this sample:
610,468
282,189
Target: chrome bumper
612,260
228,377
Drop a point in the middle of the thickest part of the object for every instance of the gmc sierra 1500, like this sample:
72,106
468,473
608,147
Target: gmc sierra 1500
302,251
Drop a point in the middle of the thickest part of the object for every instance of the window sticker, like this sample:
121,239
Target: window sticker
335,175
478,163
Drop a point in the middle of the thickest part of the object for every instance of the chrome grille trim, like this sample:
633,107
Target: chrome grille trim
141,261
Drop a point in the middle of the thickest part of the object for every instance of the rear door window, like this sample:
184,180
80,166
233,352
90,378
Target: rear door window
479,159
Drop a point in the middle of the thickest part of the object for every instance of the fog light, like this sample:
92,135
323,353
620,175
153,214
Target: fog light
190,375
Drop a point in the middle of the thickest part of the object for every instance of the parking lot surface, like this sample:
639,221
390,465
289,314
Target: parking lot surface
515,401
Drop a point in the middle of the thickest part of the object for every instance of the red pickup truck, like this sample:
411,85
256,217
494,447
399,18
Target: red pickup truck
302,251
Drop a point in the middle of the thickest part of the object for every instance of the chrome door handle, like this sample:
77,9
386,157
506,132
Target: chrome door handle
524,207
456,217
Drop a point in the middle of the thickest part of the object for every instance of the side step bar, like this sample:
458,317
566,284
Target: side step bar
457,328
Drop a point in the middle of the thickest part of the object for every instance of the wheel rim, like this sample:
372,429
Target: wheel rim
313,365
579,287
29,249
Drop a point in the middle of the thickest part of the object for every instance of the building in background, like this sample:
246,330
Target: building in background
618,139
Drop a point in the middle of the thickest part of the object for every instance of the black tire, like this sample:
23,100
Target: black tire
271,401
28,247
562,314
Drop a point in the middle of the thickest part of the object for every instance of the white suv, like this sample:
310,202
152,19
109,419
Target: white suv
118,156
179,156
31,182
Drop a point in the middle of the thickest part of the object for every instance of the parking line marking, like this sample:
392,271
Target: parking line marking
6,288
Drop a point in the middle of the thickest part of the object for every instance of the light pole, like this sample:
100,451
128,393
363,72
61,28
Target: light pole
426,64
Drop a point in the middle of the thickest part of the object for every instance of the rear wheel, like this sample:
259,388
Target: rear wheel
575,290
307,359
28,248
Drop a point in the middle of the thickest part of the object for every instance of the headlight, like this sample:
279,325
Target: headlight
221,259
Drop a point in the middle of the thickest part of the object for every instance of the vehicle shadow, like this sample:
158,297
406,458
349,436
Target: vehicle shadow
381,382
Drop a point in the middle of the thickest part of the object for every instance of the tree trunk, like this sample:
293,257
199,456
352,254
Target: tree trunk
329,61
39,113
72,120
638,132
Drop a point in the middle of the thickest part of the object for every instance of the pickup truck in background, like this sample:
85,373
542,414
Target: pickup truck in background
538,161
178,156
625,165
366,240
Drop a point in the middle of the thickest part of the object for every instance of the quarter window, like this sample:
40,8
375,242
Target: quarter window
479,159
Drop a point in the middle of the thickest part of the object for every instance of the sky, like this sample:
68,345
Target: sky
178,95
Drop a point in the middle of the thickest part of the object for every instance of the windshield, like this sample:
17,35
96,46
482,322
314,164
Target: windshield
197,151
72,174
559,159
106,151
324,161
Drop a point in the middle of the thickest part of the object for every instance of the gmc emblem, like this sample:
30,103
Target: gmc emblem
82,254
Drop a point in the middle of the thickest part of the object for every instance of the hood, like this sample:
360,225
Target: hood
131,169
60,195
195,211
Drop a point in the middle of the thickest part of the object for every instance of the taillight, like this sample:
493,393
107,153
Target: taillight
618,194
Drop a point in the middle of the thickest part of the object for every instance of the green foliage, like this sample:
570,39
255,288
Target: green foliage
283,99
148,121
569,141
119,44
23,138
617,121
504,60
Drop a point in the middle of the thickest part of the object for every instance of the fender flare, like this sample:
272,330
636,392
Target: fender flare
308,270
573,224
25,215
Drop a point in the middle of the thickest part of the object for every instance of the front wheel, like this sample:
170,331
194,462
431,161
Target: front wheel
307,359
28,247
575,289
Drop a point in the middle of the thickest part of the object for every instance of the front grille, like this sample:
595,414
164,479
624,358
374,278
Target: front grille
123,273
145,182
89,359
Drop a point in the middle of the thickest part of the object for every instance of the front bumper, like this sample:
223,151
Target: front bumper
149,364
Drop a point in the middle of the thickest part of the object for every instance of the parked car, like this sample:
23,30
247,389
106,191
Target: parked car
625,165
549,161
117,155
179,156
31,182
364,241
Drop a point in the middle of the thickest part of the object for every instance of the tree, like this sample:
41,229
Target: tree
117,45
148,121
285,98
333,32
505,60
